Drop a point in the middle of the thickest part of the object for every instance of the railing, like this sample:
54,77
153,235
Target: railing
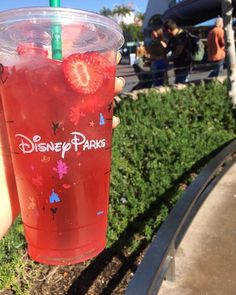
159,261
143,78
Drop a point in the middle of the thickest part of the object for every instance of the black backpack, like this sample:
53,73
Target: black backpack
197,48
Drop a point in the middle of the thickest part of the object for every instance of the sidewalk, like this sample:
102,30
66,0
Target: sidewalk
206,258
131,78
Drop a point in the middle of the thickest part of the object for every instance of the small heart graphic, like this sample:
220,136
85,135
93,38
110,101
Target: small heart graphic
66,186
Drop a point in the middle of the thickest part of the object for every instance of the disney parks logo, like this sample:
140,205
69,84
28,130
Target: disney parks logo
28,146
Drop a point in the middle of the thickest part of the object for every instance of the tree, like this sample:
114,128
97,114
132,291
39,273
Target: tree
122,11
132,32
132,29
139,18
106,12
227,12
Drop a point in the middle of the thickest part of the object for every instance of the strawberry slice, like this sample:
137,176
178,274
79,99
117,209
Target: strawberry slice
83,72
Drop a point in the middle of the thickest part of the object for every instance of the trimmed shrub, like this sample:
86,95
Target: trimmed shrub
162,141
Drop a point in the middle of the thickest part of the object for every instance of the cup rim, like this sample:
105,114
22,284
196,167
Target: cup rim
29,13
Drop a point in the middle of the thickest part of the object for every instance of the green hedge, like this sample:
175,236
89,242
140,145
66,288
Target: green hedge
162,142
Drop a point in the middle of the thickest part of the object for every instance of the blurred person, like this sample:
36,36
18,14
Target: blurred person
159,64
178,50
216,48
140,54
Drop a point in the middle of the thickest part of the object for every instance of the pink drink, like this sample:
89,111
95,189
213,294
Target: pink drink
59,124
8,191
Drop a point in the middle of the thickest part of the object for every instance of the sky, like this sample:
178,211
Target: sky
90,5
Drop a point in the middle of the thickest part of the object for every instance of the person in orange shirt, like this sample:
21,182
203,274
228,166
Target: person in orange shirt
216,48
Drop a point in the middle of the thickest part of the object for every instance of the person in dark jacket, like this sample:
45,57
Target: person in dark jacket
178,50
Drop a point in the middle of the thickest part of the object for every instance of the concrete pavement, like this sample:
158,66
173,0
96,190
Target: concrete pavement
206,258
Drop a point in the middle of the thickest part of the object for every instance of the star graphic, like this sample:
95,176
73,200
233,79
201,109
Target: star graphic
55,126
91,124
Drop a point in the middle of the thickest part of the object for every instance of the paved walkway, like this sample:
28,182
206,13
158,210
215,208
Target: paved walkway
206,258
131,78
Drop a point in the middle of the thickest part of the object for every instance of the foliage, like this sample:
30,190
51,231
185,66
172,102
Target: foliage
132,31
12,259
162,141
122,10
139,17
119,10
106,12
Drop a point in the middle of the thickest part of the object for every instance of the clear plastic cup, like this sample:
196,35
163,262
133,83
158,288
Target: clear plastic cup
59,124
8,191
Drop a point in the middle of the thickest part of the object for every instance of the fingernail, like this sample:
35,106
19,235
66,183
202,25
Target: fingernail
115,122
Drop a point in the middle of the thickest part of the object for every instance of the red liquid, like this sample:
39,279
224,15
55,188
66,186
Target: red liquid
61,149
7,177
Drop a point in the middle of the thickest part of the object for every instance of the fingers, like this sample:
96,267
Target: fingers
119,84
115,121
120,81
118,57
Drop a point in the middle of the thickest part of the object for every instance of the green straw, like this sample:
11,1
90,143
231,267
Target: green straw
56,35
54,3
